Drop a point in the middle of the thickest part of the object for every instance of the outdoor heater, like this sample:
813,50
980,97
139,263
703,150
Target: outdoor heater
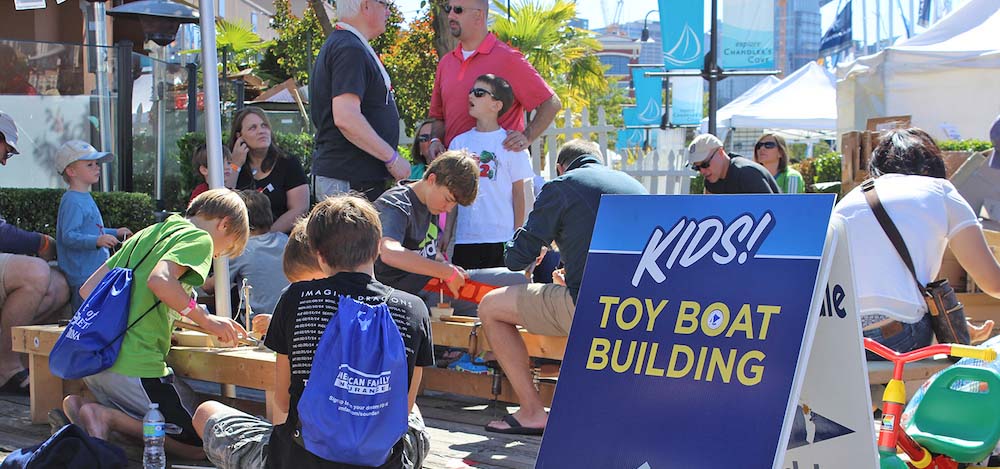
160,19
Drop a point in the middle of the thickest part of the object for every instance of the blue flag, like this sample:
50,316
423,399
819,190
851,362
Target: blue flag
839,36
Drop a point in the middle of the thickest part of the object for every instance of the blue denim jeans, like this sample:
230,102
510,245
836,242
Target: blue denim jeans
912,337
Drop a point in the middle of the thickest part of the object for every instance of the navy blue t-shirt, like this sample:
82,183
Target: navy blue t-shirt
344,66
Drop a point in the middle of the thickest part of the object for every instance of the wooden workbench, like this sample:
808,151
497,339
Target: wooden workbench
241,366
252,368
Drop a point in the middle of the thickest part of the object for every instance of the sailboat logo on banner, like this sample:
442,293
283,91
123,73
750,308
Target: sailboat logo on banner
687,49
651,114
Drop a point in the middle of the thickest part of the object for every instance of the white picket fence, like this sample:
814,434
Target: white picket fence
662,170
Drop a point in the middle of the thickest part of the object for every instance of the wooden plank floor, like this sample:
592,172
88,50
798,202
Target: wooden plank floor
455,424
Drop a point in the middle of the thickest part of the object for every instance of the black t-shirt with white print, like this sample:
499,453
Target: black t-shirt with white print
300,318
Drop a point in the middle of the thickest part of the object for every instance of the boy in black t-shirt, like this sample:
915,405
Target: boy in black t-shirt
345,232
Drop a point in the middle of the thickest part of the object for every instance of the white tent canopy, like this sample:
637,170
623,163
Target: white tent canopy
945,77
805,100
724,114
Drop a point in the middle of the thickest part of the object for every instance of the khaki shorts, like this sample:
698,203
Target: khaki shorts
4,260
546,308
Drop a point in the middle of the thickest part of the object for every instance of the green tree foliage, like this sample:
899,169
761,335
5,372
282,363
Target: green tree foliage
411,62
393,26
298,43
239,39
562,54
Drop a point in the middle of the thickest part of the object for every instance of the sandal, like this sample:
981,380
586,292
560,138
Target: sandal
17,384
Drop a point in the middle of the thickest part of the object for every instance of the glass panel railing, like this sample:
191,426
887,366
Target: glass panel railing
54,93
159,119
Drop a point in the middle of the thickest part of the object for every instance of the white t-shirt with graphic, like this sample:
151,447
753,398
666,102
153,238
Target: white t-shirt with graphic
490,219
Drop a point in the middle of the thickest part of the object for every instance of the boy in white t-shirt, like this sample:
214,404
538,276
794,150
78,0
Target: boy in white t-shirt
483,227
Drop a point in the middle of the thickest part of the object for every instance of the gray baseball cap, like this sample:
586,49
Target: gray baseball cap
702,147
76,150
9,131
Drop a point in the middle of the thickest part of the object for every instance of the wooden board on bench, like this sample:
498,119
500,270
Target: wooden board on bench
456,334
476,385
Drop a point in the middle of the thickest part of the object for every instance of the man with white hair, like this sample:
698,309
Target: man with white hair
353,107
30,291
480,52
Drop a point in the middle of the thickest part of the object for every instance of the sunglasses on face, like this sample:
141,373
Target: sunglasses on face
479,93
384,3
704,164
458,10
768,145
423,138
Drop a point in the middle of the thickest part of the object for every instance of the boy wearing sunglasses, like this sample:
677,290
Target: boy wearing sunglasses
483,227
479,51
727,173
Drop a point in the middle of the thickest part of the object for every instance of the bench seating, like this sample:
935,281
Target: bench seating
243,366
251,368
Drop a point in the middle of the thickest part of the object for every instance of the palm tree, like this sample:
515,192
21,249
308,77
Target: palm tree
238,37
562,54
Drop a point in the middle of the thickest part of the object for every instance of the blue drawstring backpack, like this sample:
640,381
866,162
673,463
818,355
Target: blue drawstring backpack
91,341
355,409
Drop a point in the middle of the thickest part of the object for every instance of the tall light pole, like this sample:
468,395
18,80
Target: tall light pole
644,37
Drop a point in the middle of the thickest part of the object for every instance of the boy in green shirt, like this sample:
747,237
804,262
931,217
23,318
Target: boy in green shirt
215,225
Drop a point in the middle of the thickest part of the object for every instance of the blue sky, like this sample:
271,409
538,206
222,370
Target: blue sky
633,10
829,12
590,9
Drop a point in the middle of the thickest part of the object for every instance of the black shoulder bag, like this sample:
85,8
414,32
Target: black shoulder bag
947,314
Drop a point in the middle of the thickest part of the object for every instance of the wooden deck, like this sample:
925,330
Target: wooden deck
455,425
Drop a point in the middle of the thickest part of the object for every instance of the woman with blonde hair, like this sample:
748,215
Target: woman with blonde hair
771,153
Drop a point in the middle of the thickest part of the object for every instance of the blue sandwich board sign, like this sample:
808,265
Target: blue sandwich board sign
690,335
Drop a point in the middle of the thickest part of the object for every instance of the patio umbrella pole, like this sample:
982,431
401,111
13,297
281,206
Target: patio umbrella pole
213,131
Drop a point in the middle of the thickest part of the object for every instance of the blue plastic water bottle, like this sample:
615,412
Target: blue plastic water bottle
152,437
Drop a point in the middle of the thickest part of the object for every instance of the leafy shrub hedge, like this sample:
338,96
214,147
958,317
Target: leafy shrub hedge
697,185
827,168
37,209
969,144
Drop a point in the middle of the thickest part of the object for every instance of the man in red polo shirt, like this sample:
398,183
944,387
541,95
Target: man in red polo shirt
480,52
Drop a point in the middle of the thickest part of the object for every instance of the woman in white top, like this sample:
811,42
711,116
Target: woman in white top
930,214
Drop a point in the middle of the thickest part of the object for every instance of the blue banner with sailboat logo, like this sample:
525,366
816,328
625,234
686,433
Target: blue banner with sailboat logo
690,332
747,39
683,33
648,96
636,135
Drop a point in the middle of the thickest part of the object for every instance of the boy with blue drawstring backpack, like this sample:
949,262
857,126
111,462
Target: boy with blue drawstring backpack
170,259
345,232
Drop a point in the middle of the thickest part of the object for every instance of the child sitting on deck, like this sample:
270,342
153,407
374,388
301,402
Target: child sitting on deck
215,225
344,231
